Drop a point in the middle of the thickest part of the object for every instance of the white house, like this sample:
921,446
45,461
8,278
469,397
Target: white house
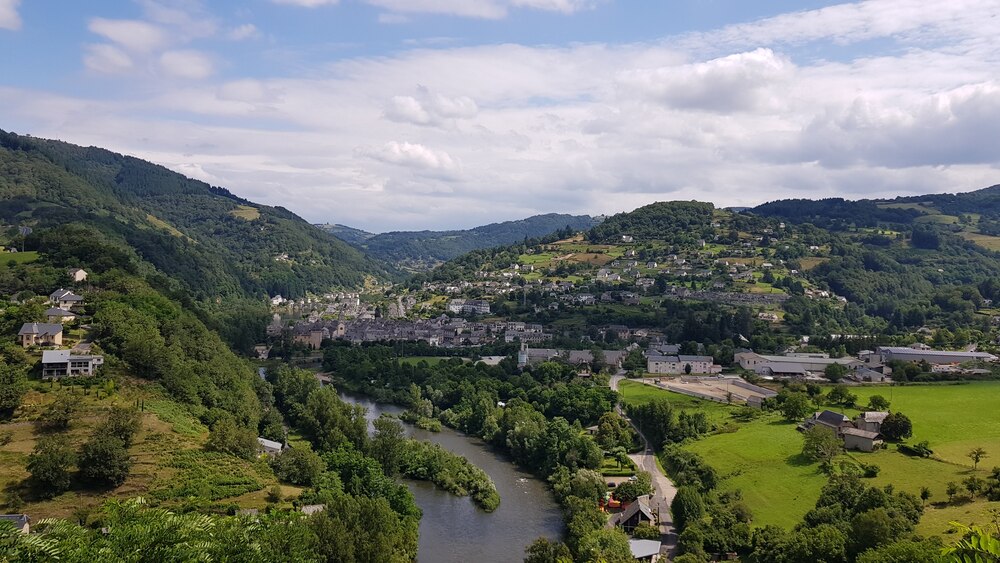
78,275
63,363
65,299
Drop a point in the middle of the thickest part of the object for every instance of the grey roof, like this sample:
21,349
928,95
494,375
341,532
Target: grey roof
708,359
874,416
831,418
641,504
851,431
269,444
64,295
40,329
57,312
19,520
783,367
905,350
644,548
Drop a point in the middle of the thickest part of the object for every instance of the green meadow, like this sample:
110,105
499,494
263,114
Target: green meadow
761,458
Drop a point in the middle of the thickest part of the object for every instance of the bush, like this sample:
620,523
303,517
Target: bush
870,470
105,461
646,531
298,466
226,437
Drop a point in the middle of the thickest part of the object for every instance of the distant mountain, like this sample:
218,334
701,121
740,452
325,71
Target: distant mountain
422,250
350,235
210,242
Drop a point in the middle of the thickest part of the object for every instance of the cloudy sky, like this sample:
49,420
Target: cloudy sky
414,114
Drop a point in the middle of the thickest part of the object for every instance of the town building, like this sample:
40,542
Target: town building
678,365
933,357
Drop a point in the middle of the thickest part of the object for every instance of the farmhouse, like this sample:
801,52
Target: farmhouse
855,439
40,334
78,275
828,419
63,363
870,421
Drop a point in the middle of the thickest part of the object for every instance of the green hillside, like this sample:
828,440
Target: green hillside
422,250
208,241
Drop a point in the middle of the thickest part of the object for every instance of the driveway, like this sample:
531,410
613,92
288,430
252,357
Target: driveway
664,489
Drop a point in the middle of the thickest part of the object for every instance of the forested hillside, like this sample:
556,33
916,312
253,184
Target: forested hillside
658,221
422,250
206,240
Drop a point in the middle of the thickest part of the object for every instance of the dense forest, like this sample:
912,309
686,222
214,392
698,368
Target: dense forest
421,250
212,243
680,221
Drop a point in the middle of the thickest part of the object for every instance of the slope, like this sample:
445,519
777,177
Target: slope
422,250
208,241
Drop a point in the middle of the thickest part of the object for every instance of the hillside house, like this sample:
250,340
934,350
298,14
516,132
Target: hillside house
63,363
40,334
65,299
57,315
21,522
270,447
77,275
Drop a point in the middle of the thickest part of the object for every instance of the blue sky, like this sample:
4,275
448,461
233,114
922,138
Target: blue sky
411,114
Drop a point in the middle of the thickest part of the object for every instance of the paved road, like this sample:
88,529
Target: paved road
664,489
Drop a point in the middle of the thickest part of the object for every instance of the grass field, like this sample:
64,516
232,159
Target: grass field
988,242
431,360
245,212
169,462
762,458
808,263
17,258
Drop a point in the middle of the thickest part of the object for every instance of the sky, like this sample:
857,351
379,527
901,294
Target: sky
438,114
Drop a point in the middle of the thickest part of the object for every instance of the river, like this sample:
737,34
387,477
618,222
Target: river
453,529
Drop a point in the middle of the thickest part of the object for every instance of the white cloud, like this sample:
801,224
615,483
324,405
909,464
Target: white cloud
9,18
482,9
245,31
412,155
504,131
739,82
430,109
307,3
133,35
186,64
107,59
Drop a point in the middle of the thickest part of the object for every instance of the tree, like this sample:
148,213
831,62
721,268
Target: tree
605,546
630,490
896,427
104,460
59,412
976,455
835,372
925,494
274,494
543,550
587,484
821,444
840,395
796,406
387,444
226,437
122,423
951,490
878,403
687,507
646,531
298,466
50,464
974,485
13,386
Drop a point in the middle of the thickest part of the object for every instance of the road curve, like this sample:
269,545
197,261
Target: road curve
664,489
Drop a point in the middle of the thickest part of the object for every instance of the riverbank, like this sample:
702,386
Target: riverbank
453,529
